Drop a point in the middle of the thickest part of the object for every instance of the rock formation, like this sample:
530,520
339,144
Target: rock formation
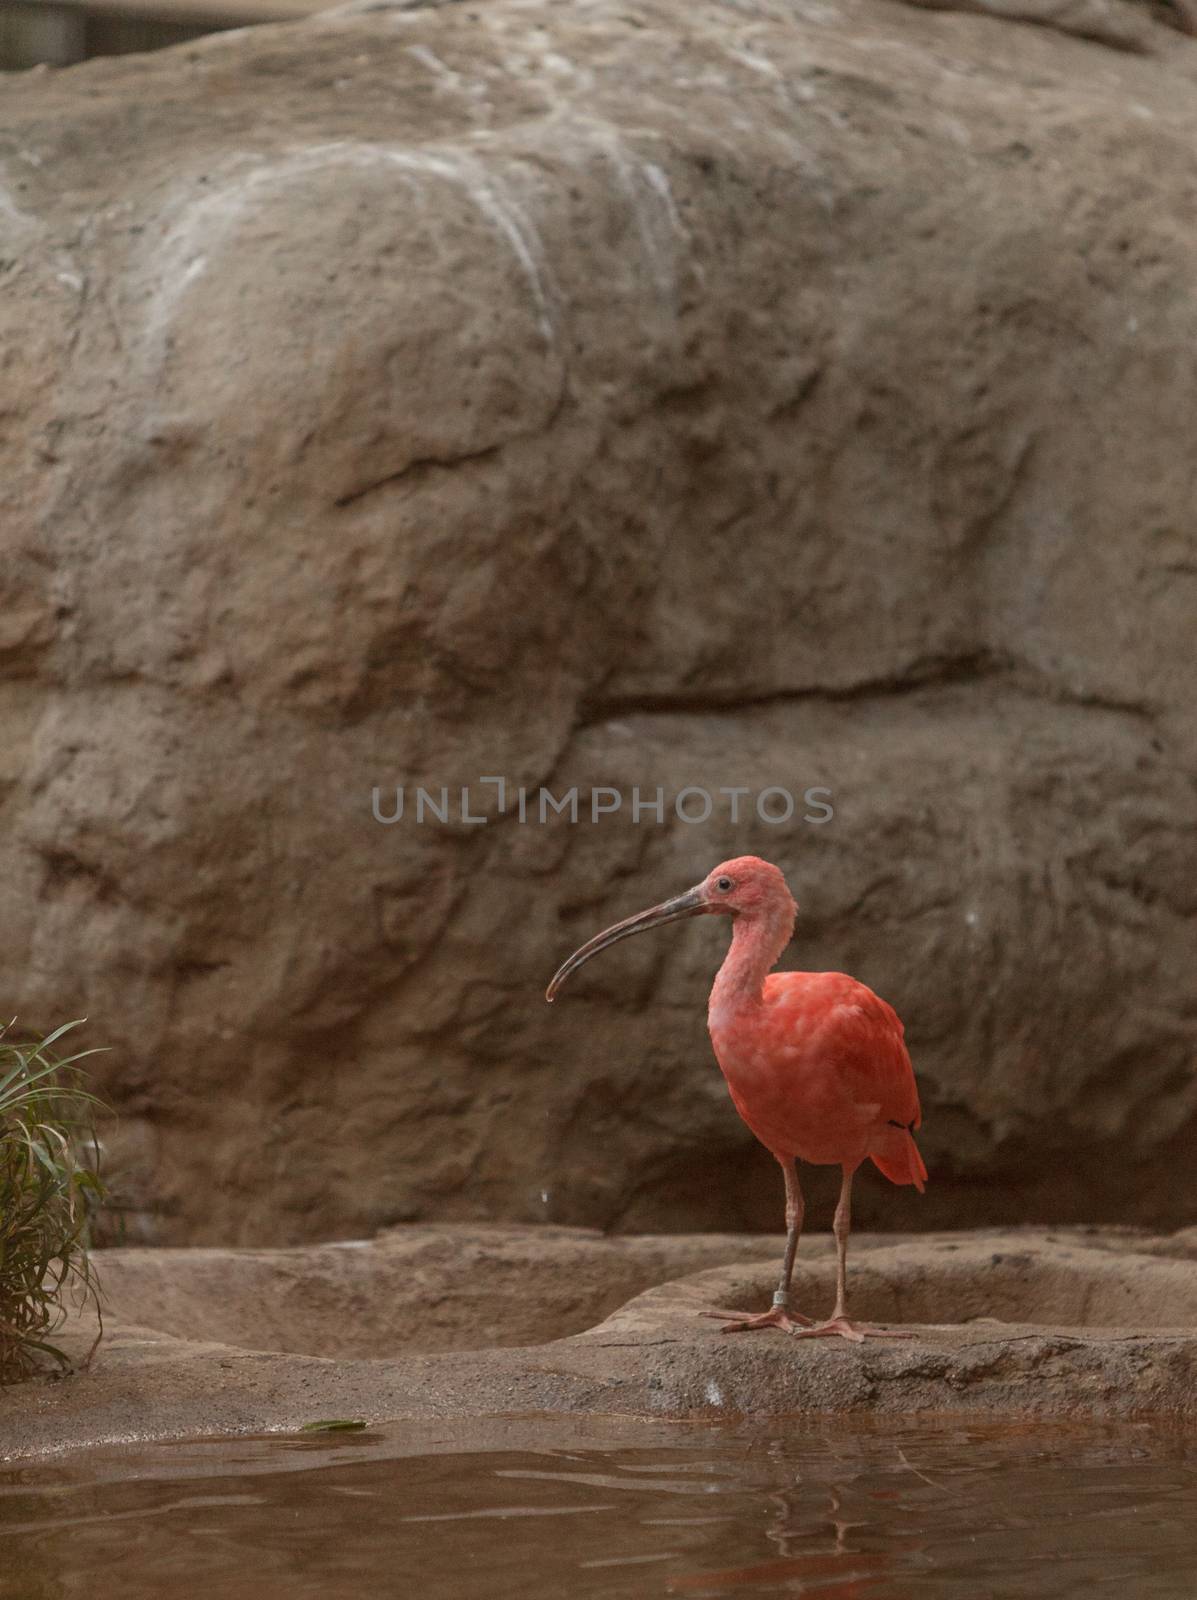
446,1323
758,395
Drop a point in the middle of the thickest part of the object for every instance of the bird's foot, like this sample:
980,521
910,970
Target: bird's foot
858,1332
778,1317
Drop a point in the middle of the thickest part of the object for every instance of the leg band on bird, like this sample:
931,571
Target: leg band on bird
780,1315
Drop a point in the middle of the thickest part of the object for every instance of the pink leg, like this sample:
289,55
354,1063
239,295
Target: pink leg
780,1315
838,1323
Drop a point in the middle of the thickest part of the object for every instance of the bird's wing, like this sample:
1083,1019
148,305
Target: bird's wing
851,1033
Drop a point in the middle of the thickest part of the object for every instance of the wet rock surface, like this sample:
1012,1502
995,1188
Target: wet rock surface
1072,1324
770,394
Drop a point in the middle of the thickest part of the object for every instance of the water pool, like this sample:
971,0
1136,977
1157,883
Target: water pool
605,1510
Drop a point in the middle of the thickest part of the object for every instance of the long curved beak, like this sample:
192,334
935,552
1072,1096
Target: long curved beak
690,904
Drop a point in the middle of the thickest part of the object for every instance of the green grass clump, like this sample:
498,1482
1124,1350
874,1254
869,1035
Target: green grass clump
48,1190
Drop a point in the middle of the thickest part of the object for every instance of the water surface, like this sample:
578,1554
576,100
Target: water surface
605,1510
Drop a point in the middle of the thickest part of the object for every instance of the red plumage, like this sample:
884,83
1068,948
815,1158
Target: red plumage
816,1062
818,1069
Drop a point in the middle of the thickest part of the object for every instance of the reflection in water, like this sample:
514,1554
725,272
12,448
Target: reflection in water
604,1512
29,1575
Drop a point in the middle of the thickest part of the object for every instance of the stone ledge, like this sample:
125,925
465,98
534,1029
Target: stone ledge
1060,1324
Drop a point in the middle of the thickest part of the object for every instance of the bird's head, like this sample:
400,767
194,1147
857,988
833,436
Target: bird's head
744,888
748,887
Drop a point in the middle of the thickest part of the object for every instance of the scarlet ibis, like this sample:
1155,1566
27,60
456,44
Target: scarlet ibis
815,1062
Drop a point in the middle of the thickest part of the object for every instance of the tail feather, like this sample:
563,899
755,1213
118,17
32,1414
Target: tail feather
900,1160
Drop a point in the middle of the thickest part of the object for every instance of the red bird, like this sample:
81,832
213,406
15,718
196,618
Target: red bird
815,1062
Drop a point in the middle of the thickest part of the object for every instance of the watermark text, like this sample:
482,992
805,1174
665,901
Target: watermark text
459,805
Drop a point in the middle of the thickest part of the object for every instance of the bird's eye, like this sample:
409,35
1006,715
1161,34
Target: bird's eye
723,885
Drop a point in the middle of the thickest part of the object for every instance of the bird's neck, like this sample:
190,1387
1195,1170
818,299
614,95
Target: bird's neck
755,946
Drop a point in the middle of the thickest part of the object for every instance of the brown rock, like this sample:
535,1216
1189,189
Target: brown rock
1110,22
746,396
439,1324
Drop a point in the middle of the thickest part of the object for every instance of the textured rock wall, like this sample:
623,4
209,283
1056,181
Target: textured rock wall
602,395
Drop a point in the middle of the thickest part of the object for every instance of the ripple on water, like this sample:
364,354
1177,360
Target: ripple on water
970,1511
